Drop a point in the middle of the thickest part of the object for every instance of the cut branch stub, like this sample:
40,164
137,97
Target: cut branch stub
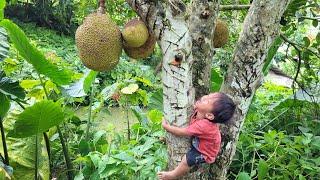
102,7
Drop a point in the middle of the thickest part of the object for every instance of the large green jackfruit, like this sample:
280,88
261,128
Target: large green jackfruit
135,33
221,34
99,42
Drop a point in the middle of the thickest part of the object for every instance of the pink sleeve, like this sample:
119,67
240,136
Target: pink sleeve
196,128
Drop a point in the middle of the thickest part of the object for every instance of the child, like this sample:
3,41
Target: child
204,129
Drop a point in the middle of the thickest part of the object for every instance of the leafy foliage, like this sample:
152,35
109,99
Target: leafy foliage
4,44
37,119
2,5
34,56
277,140
10,88
5,103
139,158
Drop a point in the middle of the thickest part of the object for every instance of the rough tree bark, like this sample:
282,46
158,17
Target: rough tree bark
244,74
184,34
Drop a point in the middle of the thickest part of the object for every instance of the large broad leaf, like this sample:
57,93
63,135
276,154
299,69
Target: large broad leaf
243,176
82,86
2,5
22,154
9,88
33,55
294,6
4,44
156,101
216,80
5,105
22,158
37,119
89,80
262,169
272,51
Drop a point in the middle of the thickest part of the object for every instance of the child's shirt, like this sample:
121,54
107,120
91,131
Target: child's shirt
207,137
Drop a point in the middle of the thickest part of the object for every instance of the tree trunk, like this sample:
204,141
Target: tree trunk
185,36
244,74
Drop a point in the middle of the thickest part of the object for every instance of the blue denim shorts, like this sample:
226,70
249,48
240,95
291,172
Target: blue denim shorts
194,157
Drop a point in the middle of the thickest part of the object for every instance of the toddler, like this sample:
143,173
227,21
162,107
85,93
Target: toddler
209,111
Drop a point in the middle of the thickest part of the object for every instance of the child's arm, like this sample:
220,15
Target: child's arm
174,130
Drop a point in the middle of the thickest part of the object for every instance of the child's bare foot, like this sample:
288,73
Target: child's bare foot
165,175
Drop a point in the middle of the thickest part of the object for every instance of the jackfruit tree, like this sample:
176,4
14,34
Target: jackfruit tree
185,31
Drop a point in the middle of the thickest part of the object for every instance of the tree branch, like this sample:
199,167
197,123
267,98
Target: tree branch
102,7
295,45
203,15
234,7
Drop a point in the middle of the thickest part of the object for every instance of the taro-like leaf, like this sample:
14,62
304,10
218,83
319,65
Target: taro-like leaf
37,119
5,105
33,56
10,88
4,44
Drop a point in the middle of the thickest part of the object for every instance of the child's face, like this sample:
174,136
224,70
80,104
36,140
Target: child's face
206,103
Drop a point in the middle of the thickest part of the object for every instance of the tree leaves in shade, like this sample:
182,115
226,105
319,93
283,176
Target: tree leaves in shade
243,176
262,169
156,101
37,119
22,158
216,80
5,105
34,56
10,88
4,44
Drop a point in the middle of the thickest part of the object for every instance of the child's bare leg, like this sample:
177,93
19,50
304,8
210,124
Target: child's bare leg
180,170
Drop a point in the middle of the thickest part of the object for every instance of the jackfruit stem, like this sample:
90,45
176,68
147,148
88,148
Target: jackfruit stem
102,7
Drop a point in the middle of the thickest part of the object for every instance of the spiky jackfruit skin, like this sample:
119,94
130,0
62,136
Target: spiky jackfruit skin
99,42
143,51
221,34
135,33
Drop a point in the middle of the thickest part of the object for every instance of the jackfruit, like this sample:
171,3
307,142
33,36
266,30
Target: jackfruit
221,34
99,42
135,33
143,51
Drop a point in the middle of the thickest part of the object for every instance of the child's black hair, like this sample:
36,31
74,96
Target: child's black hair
224,108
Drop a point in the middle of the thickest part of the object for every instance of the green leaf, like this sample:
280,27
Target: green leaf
156,100
216,80
262,169
318,38
243,176
79,176
2,5
155,116
29,83
5,105
306,41
22,158
271,52
37,119
4,44
9,88
315,23
33,55
84,147
294,6
89,80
